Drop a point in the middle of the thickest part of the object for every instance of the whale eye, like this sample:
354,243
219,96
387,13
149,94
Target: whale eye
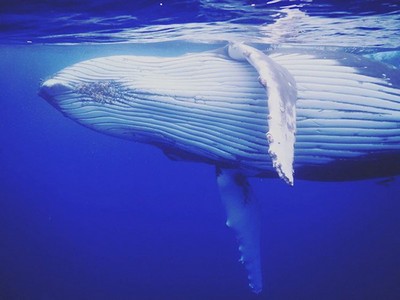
102,91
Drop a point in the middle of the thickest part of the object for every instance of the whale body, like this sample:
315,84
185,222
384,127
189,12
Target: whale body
292,114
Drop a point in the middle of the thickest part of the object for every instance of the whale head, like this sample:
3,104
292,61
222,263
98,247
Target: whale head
75,98
52,89
104,104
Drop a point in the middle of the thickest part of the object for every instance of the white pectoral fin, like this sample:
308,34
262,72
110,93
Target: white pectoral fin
243,216
281,92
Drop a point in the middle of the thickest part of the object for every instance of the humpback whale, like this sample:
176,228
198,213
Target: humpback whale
287,113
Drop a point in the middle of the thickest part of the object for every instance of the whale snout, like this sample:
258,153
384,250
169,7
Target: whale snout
52,90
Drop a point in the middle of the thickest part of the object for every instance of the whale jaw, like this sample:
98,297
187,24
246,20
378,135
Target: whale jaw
51,89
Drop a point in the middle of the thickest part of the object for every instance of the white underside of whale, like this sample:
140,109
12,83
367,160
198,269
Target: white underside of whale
209,105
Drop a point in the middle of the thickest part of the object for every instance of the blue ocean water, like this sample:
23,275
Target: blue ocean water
88,216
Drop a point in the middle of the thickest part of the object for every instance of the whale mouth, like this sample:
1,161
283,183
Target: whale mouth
51,89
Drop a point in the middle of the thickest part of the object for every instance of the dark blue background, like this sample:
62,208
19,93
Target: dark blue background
83,215
87,216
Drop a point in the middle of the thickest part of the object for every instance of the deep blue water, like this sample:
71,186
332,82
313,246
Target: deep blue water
88,216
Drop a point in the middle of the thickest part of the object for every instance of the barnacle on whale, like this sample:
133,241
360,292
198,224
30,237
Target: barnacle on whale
102,91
